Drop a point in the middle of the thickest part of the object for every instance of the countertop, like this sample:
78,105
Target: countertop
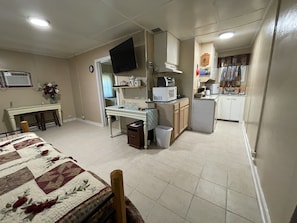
215,96
240,95
209,97
171,102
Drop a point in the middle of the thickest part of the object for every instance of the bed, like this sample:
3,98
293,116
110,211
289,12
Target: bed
40,184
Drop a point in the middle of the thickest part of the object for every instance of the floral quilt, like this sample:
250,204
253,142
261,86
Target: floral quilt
40,184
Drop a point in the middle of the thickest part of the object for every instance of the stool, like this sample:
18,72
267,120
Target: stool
36,115
43,121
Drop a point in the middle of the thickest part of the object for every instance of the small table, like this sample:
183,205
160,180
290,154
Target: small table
33,108
148,116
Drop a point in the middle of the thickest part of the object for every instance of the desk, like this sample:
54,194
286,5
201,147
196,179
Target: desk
148,116
28,109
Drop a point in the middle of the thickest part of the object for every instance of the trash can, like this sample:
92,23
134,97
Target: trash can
135,134
163,135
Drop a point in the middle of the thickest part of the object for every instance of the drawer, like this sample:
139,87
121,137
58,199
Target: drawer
184,102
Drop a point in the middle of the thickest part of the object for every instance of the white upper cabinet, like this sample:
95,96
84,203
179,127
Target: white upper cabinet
173,46
208,62
166,52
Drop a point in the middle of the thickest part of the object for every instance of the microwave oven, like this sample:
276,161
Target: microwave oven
164,93
165,82
214,88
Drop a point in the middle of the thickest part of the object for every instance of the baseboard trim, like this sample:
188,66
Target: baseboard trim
260,195
69,120
90,122
83,120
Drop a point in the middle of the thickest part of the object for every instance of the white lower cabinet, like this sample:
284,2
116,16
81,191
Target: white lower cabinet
231,107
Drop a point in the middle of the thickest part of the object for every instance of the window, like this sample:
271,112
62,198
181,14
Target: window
107,81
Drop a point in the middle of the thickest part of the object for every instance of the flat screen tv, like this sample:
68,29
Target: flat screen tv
123,57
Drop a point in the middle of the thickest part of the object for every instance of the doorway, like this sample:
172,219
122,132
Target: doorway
105,80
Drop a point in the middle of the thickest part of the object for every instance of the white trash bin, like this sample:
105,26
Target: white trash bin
163,135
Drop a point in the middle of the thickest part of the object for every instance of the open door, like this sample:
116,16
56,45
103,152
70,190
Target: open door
105,80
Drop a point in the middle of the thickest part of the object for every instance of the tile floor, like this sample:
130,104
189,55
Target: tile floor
201,178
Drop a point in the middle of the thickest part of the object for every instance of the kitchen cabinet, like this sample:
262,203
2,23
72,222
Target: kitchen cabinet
231,107
184,115
176,122
166,52
174,114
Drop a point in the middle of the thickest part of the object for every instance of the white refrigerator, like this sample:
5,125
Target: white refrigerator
204,114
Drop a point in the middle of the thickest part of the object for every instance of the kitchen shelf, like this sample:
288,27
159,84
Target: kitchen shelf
124,87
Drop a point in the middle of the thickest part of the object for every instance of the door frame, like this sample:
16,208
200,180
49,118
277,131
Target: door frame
98,70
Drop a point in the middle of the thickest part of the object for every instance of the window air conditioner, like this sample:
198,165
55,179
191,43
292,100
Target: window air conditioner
17,79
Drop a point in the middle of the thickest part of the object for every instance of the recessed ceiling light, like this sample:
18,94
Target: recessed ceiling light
226,35
39,22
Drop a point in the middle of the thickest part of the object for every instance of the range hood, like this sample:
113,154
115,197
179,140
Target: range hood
166,53
168,68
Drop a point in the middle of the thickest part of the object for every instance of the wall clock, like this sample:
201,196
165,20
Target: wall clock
204,60
91,68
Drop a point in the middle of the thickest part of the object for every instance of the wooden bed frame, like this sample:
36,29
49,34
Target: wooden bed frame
116,178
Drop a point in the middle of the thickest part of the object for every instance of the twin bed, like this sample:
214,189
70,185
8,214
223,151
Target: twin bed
40,184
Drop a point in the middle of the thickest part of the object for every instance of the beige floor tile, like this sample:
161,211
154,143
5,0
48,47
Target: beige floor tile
176,200
160,170
212,192
193,166
160,214
133,178
243,205
185,180
240,179
218,159
152,187
202,211
142,202
172,159
215,174
233,218
128,189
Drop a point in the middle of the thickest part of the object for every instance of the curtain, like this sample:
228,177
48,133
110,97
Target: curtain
107,86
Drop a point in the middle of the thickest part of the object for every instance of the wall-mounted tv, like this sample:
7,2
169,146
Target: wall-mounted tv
123,57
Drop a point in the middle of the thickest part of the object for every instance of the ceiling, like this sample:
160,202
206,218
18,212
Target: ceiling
77,26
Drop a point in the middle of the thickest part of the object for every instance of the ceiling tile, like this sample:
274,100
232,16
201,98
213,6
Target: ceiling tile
77,26
233,8
133,8
243,38
179,17
124,29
